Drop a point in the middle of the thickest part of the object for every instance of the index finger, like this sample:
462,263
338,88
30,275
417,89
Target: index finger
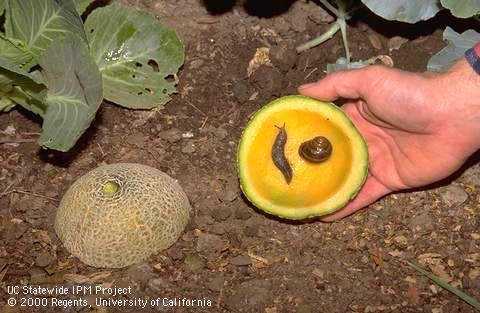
351,84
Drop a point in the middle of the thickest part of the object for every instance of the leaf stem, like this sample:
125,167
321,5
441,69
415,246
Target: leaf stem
447,286
343,29
330,7
320,39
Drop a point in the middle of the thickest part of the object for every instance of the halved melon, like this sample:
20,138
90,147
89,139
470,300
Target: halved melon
316,188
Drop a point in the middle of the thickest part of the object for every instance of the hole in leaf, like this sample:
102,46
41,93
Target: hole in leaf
91,30
133,76
35,68
153,65
149,90
170,78
164,91
138,64
139,93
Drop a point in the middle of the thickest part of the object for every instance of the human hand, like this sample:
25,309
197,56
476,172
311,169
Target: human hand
419,128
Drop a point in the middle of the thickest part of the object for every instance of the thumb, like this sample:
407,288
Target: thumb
370,192
351,84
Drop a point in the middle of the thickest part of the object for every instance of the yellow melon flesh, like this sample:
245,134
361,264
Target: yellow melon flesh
316,188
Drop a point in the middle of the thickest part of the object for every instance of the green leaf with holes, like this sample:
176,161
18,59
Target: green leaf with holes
74,92
137,56
31,26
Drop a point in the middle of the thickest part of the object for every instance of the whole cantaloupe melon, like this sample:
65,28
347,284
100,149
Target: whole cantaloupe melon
120,214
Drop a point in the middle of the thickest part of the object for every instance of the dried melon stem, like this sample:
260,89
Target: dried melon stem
110,187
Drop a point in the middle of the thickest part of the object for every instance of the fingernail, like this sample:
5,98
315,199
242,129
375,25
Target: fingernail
306,86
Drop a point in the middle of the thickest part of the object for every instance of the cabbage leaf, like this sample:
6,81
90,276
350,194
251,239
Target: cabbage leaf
457,45
137,55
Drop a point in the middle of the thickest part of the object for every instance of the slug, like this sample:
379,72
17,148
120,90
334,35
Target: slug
316,150
278,154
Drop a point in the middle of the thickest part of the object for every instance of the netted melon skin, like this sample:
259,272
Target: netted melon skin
146,215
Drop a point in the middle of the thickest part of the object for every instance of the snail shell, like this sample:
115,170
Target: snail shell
316,150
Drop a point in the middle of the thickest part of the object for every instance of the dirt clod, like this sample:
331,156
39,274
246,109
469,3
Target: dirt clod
284,55
252,295
268,80
44,259
241,260
209,243
221,213
241,91
171,135
216,283
194,263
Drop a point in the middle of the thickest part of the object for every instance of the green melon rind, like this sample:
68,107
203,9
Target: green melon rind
311,211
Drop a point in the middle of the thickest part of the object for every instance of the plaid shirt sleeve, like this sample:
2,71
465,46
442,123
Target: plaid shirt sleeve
473,57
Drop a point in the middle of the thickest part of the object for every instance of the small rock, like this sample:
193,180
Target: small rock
9,130
209,243
194,263
241,260
453,195
221,213
365,259
241,91
230,195
44,259
242,212
197,63
218,132
472,176
175,253
137,139
400,239
231,190
141,272
284,56
396,42
375,41
37,276
282,26
188,148
158,285
253,295
187,135
298,17
171,135
422,221
219,228
251,231
216,283
202,220
268,79
362,244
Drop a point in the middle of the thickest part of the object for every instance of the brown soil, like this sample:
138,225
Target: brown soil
240,259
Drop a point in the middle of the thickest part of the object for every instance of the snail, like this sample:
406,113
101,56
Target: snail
278,154
316,150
